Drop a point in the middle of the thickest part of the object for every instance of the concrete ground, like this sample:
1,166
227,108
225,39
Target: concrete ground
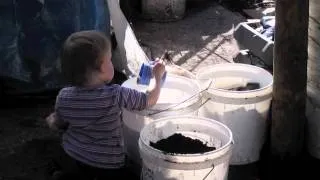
202,38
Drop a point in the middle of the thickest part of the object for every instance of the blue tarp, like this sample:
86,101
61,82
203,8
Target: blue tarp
31,35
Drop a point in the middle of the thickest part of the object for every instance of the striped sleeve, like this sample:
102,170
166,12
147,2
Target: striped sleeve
60,123
131,99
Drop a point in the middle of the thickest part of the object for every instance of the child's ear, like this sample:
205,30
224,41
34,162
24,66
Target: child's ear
104,67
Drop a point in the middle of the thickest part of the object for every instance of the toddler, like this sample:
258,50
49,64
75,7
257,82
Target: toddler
89,111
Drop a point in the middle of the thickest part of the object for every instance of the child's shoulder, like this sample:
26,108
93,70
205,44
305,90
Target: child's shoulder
72,90
66,90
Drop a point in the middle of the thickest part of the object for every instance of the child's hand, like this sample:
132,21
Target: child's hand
51,121
158,71
55,123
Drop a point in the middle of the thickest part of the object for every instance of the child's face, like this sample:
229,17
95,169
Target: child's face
107,70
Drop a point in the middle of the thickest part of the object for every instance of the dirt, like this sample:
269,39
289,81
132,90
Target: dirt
27,146
248,87
179,144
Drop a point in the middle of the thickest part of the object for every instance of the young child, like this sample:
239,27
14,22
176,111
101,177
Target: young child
89,110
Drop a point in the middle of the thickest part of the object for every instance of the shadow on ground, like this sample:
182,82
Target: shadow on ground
203,37
26,144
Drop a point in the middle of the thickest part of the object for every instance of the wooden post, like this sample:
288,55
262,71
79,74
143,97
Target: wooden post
290,79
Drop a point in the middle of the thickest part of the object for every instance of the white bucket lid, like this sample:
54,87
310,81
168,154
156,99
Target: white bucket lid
175,90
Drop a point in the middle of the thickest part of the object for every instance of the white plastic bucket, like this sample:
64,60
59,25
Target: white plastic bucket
158,165
176,89
244,112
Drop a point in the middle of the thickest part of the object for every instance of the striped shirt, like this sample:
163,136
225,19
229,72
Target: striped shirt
94,135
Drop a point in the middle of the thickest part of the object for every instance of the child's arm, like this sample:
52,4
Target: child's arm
134,100
154,93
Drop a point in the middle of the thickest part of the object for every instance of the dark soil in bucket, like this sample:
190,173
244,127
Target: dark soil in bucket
248,87
179,144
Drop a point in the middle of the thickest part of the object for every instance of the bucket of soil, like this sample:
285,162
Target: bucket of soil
180,144
239,96
187,147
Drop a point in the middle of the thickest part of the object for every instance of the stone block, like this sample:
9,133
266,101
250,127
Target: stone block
248,38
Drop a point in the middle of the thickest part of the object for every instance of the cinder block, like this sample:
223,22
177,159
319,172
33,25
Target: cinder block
248,38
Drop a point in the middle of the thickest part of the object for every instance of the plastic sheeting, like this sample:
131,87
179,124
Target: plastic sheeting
32,33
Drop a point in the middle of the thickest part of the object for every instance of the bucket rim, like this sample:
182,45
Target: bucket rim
196,157
189,103
270,85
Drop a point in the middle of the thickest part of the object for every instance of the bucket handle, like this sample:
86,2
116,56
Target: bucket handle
205,177
175,105
205,102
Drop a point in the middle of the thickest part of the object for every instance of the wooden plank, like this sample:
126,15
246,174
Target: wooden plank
289,92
